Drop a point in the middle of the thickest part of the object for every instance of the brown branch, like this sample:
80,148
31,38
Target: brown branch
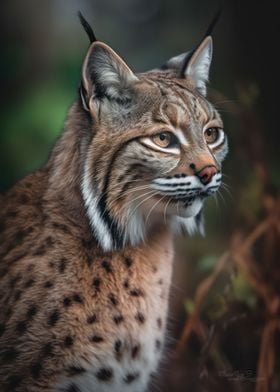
256,233
200,294
266,360
205,285
252,275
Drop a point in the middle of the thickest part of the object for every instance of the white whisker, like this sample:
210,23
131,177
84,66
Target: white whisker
143,201
152,208
142,187
136,198
165,210
221,196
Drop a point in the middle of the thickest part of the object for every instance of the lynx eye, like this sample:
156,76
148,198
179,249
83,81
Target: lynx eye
165,139
212,135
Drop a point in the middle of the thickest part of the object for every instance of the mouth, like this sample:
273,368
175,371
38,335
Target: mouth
185,199
195,194
190,187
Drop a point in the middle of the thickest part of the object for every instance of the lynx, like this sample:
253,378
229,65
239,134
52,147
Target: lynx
86,247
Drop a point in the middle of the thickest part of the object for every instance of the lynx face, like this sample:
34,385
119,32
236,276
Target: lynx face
156,148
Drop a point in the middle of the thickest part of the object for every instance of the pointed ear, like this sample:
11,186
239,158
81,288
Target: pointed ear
197,66
105,74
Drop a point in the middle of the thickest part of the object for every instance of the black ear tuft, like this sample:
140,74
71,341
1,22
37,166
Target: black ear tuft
213,23
208,33
87,28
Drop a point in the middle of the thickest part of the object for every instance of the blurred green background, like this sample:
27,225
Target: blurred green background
42,49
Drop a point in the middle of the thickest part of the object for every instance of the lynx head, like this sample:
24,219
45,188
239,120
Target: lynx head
156,148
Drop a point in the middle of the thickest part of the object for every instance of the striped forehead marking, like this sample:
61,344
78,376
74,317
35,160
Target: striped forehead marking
191,105
182,109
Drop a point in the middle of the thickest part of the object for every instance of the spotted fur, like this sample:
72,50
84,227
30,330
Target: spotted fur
86,244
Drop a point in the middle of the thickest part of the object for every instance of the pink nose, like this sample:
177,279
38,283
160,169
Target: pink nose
205,175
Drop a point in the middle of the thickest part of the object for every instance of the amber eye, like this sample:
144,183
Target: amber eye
212,135
164,139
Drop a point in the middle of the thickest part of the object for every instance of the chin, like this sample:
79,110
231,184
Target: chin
189,219
191,209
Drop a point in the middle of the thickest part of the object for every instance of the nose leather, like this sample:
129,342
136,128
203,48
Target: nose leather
206,174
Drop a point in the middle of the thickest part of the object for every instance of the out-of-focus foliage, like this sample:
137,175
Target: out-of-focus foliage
42,51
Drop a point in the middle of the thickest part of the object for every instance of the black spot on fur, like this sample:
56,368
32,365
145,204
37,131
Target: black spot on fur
89,244
140,318
107,266
3,272
2,329
75,370
19,236
18,257
49,242
89,259
78,298
158,344
118,319
47,350
159,322
118,346
160,282
135,351
192,166
31,312
40,251
11,214
68,341
62,265
48,284
15,280
130,377
2,227
136,293
36,369
23,199
30,267
96,283
114,301
67,301
29,283
96,339
61,226
128,262
21,327
92,319
12,383
126,284
9,355
104,374
54,317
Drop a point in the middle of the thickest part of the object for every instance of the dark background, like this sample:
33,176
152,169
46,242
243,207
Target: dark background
229,311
